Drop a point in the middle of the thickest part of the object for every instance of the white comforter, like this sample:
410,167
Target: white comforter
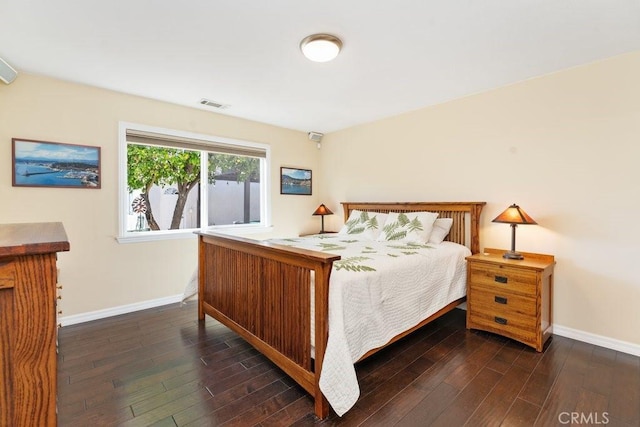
378,290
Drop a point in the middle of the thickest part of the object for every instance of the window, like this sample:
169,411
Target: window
172,183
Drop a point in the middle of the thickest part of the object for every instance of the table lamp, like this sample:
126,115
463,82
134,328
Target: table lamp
322,211
514,215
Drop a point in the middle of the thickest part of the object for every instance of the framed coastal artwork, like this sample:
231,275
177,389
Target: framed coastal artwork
295,181
54,164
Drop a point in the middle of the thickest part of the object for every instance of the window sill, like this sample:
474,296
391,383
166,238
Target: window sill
151,236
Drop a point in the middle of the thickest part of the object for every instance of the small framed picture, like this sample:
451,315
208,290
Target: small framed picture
295,181
54,164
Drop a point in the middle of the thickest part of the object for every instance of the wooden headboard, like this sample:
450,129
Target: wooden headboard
458,211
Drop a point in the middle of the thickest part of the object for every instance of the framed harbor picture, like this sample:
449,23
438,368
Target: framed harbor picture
295,181
54,164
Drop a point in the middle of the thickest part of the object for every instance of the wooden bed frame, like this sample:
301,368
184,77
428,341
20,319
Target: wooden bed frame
261,290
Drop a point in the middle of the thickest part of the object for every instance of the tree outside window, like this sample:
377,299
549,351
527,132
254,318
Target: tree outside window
177,187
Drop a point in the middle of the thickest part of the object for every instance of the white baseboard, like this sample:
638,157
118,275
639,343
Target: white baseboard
114,311
599,340
602,341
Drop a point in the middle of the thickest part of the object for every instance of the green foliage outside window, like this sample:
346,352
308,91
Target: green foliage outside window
149,165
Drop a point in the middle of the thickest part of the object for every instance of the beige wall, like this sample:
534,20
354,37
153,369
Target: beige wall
99,273
566,147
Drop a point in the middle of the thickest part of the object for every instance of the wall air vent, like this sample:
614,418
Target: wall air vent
7,73
213,104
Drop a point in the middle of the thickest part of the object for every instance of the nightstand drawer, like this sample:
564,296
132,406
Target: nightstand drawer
503,304
516,327
505,278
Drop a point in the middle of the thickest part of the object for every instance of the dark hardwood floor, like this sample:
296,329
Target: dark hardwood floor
161,367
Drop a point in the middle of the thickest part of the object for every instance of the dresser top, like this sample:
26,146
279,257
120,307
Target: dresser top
32,238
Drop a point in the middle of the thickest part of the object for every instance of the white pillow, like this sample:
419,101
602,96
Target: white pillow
366,224
413,227
441,228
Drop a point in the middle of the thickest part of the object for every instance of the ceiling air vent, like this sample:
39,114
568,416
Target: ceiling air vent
213,104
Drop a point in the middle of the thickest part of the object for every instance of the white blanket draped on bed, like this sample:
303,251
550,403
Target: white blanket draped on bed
378,290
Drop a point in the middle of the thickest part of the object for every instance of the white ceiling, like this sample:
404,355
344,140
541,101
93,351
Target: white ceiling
397,55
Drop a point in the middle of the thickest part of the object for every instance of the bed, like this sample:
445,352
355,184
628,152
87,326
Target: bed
276,294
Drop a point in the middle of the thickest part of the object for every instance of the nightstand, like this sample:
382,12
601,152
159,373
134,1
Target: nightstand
509,297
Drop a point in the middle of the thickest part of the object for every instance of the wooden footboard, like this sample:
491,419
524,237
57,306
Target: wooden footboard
262,292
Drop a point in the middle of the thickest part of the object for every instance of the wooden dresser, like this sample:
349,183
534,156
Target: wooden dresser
28,327
511,297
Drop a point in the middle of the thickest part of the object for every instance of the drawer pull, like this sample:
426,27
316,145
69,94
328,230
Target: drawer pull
501,320
501,279
500,300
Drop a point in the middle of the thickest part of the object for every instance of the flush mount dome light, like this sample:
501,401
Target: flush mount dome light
321,47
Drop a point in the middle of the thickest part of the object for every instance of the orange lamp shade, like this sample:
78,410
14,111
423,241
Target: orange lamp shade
322,210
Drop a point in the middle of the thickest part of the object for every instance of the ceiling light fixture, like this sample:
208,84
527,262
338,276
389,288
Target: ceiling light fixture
321,47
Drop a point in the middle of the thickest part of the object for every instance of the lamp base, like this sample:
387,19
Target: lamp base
512,255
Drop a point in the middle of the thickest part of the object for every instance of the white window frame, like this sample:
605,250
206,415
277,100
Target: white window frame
125,236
